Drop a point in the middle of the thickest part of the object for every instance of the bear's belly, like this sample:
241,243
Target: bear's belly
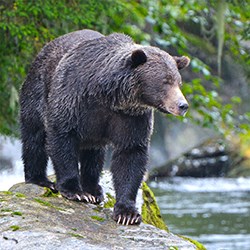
97,143
95,132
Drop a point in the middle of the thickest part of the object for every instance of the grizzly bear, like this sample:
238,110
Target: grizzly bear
85,91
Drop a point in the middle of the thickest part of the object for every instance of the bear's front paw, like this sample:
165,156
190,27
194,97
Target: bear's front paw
81,196
126,214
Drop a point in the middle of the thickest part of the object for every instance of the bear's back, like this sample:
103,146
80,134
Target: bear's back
50,55
37,83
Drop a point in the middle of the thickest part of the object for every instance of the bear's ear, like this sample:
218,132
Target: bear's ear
138,57
182,62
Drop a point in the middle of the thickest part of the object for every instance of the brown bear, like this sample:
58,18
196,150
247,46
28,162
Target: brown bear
85,91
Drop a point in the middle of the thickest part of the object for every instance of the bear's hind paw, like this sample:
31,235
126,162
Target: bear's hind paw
93,195
89,198
82,197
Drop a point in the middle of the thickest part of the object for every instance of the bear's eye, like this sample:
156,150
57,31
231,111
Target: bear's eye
168,80
165,81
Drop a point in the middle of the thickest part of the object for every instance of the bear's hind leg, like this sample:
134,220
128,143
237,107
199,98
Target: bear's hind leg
91,161
63,151
34,154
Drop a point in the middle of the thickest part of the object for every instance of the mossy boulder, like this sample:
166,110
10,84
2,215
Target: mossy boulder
31,217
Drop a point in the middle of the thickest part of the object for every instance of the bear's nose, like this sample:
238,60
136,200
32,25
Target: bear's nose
183,107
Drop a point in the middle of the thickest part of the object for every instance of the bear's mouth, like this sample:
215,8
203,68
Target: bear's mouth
163,110
172,112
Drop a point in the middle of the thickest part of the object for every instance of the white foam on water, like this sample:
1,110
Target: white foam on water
10,151
225,241
203,184
9,178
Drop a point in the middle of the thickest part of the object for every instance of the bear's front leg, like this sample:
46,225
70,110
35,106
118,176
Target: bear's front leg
128,168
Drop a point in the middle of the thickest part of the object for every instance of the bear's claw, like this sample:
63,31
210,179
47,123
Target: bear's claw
90,198
129,220
93,195
82,197
125,213
78,197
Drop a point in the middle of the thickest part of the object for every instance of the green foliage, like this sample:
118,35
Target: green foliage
180,27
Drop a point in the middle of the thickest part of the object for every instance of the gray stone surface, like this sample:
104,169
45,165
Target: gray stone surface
28,220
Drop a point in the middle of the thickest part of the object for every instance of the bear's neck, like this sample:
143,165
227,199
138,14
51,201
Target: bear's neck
132,111
119,92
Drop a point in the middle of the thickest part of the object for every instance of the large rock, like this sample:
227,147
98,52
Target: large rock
212,158
31,217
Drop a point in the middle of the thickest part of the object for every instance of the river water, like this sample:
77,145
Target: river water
214,211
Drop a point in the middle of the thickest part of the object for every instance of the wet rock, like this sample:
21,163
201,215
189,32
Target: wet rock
32,217
210,159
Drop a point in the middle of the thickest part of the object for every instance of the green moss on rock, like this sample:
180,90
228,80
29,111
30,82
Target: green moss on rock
6,210
7,192
173,248
20,195
17,213
77,235
150,209
48,193
98,218
198,245
47,204
14,227
110,202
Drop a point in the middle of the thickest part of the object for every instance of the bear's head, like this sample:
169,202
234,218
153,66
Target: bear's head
159,80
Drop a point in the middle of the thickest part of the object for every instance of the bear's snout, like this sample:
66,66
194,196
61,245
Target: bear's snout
183,107
174,102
